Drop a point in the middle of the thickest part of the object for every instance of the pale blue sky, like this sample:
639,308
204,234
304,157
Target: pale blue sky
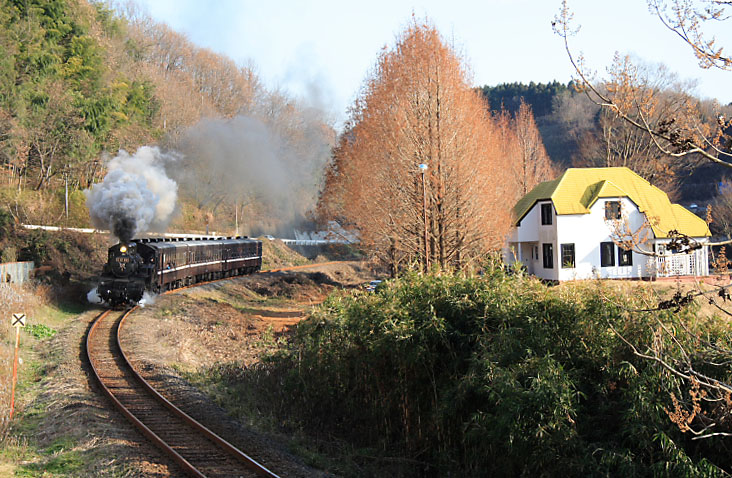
322,50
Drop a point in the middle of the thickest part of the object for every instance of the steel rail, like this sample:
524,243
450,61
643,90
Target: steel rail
248,461
151,435
147,432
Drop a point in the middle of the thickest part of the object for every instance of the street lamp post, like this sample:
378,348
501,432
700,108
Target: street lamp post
423,169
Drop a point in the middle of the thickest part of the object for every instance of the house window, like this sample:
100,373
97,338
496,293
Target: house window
612,210
535,253
607,254
548,256
567,256
546,214
625,258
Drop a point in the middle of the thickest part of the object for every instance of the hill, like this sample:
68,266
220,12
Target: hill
80,81
576,132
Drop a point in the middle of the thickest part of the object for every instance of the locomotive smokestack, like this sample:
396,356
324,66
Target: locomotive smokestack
135,196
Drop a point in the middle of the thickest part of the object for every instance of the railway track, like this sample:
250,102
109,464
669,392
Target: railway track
197,450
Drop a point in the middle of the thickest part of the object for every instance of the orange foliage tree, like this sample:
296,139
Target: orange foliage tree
525,149
418,108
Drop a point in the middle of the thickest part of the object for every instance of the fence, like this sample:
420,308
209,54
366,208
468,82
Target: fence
691,264
15,272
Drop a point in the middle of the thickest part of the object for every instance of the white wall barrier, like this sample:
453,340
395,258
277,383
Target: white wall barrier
16,272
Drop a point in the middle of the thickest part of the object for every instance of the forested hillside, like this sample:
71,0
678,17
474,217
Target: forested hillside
578,133
80,81
68,92
541,96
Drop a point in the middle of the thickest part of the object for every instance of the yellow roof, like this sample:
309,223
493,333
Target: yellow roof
578,188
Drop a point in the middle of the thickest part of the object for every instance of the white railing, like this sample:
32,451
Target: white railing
296,242
680,264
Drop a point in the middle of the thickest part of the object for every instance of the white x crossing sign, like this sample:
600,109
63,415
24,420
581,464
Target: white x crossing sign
18,320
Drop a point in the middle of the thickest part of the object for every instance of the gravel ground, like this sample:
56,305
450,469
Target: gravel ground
224,322
232,320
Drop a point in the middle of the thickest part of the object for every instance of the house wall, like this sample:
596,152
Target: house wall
531,233
587,231
528,230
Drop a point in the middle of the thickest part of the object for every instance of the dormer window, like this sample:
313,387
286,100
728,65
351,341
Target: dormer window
612,210
546,214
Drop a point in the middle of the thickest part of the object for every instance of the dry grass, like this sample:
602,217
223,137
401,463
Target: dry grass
706,299
62,426
13,299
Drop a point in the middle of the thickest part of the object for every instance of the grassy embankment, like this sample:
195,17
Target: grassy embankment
30,447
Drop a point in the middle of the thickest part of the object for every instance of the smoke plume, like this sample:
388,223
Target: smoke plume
136,195
93,297
276,165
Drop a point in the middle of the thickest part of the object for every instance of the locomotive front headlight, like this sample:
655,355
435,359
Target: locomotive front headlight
123,249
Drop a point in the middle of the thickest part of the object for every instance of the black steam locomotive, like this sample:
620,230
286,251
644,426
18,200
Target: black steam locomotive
158,265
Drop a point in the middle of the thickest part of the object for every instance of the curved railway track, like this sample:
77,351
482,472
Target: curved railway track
197,450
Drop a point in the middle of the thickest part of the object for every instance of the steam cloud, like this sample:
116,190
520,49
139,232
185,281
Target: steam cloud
93,297
136,195
247,159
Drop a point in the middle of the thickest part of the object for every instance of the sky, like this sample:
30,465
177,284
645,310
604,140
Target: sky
321,51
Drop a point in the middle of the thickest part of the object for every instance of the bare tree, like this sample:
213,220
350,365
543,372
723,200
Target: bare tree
704,408
657,95
674,136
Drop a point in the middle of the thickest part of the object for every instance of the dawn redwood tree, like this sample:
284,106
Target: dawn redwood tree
418,107
533,165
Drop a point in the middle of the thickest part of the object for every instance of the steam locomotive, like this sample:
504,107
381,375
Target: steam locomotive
158,265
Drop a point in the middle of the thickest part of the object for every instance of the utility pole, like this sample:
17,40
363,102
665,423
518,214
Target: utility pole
423,169
66,193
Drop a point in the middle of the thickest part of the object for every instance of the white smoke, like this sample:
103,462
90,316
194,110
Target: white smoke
147,299
136,195
93,297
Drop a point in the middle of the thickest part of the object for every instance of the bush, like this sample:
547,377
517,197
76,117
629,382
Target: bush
491,376
6,224
8,254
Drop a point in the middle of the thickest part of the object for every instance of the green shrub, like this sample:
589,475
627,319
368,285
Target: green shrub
6,224
9,254
40,331
37,248
496,375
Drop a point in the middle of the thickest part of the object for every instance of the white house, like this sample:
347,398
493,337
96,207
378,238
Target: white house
571,228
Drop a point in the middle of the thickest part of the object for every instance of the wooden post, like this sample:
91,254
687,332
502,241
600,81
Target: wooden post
15,372
423,168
